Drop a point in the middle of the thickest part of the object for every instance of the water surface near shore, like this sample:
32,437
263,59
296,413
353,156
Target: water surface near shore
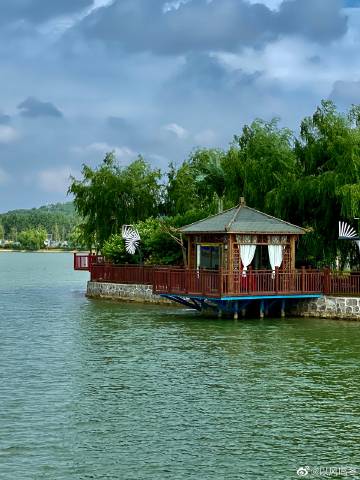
102,390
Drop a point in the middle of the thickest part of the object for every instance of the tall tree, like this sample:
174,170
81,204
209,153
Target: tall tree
328,185
211,177
258,161
110,195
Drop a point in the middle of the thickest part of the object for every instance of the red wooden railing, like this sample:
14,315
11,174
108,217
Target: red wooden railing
130,274
220,284
344,283
266,282
83,261
178,281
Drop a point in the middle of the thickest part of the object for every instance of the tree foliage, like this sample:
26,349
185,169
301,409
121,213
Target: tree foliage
109,196
60,218
312,180
33,238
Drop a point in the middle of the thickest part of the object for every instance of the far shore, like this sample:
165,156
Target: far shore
53,250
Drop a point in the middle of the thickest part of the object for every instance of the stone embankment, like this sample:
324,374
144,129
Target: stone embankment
347,308
126,293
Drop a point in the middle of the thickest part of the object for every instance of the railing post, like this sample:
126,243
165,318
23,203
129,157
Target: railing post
327,281
221,281
186,280
277,278
303,273
250,279
169,280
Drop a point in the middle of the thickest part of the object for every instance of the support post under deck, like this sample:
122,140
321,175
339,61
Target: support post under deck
236,310
262,308
283,304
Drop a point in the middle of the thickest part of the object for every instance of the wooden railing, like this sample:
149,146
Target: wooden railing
220,284
343,283
192,282
83,261
179,281
266,282
129,274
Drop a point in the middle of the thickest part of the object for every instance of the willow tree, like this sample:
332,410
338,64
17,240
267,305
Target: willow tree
210,176
197,185
327,188
258,161
110,195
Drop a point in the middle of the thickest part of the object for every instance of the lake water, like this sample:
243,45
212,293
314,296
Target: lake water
100,390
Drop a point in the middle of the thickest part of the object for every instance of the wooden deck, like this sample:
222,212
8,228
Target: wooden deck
229,285
220,284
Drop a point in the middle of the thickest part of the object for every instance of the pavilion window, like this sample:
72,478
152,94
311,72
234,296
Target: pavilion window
208,257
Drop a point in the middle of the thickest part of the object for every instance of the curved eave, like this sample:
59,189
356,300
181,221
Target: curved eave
302,232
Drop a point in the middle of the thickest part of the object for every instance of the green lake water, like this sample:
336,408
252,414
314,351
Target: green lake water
102,390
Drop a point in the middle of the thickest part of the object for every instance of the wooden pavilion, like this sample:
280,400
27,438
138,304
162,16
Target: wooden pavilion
238,259
241,238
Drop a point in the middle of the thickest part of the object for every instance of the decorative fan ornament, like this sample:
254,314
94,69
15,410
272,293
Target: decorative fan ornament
131,237
346,232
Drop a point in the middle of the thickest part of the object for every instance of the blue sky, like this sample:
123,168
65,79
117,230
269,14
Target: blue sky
158,78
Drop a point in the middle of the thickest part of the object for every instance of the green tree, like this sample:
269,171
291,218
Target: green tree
327,188
13,234
260,160
211,177
61,214
197,185
32,239
56,233
109,196
160,244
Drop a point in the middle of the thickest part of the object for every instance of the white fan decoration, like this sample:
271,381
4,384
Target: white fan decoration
347,232
131,237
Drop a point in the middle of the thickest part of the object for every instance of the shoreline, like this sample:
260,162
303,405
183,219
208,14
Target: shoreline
54,250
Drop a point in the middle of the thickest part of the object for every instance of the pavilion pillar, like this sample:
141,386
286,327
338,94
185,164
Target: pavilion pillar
292,252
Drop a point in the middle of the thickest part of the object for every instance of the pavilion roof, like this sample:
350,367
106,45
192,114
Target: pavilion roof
242,219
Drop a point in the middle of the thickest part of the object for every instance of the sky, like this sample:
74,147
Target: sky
79,78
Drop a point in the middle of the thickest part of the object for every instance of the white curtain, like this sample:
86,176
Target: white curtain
275,256
247,253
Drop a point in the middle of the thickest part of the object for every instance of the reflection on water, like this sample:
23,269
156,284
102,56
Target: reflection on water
99,390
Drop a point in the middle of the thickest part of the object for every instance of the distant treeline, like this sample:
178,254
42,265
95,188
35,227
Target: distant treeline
59,220
311,179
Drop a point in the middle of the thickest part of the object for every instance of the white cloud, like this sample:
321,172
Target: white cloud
177,130
55,28
55,180
8,134
174,5
273,4
123,154
298,65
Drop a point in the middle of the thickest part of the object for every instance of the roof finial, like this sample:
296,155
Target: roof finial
242,202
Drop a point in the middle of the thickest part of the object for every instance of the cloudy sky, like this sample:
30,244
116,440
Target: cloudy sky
82,77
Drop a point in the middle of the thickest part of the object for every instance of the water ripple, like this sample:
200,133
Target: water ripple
99,390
